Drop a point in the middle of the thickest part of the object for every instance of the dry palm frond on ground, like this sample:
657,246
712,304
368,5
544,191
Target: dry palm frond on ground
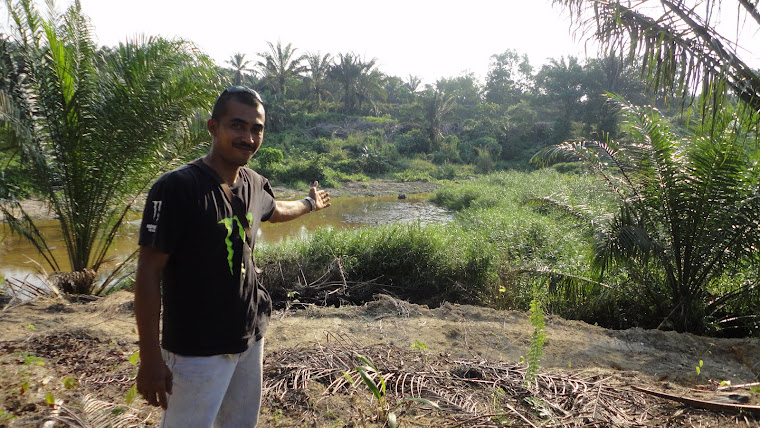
468,393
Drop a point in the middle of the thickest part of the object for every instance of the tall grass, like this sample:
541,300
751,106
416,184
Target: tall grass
481,258
531,245
425,264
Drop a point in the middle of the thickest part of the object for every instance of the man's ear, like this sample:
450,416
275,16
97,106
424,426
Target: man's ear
211,126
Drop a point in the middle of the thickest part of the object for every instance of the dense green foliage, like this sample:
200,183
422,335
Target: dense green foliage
89,128
364,123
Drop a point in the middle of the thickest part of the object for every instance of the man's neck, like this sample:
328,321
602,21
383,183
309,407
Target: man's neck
226,171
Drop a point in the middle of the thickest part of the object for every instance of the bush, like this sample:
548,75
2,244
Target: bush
267,156
414,141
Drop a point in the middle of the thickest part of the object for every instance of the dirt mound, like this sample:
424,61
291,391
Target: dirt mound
72,352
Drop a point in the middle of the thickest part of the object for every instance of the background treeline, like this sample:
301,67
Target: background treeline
338,116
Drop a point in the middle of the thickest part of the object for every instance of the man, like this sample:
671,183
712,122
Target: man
196,243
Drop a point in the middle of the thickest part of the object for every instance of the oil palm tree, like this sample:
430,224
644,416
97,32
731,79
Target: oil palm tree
355,77
239,67
687,216
94,126
319,66
280,64
369,87
436,104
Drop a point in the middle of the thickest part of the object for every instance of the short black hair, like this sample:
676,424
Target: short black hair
241,94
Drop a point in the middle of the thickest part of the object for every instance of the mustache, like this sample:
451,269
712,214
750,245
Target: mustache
244,145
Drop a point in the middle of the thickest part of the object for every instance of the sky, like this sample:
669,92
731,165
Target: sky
423,38
431,40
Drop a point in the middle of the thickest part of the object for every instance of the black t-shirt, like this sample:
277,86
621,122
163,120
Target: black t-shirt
212,301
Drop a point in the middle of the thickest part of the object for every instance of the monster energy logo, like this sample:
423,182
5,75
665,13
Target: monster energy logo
233,224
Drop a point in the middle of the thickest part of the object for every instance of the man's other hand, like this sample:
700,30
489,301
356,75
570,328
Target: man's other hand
154,381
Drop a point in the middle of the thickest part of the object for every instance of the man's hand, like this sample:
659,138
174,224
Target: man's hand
289,210
154,381
321,197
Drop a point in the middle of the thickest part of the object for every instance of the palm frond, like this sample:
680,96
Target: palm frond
681,49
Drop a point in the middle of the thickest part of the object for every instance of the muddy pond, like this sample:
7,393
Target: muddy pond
346,212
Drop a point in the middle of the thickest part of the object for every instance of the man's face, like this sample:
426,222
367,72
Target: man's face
238,134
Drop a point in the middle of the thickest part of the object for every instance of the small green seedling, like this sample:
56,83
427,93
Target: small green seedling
30,327
419,345
69,382
131,395
699,368
134,358
33,360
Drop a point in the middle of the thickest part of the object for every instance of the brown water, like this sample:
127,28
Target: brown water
345,212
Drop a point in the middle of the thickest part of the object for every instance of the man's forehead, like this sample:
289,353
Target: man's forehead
241,112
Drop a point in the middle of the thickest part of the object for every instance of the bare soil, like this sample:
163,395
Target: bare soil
77,355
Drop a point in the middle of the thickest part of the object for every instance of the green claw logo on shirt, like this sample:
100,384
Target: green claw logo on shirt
230,224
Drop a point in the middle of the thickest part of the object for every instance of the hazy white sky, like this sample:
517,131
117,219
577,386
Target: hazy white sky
430,39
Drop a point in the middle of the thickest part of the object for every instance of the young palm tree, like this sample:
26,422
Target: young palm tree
279,65
687,216
94,126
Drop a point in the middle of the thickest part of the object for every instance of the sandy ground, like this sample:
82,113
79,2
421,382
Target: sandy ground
44,343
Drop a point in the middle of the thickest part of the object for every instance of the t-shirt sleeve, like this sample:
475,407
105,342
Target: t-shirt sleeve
268,203
160,221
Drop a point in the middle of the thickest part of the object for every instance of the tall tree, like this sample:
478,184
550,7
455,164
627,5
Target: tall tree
681,49
239,67
319,67
95,126
561,83
280,64
509,76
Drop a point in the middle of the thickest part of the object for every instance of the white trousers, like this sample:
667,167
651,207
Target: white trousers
220,391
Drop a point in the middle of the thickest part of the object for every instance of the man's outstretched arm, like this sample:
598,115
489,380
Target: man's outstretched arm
154,379
289,210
